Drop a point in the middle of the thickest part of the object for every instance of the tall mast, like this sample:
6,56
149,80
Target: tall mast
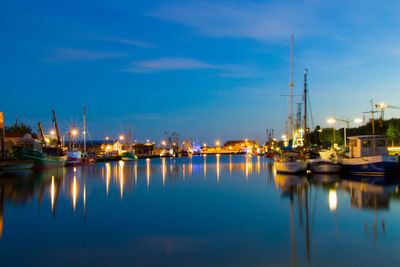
291,90
305,108
84,131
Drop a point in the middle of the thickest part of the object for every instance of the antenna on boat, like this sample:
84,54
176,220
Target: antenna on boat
291,90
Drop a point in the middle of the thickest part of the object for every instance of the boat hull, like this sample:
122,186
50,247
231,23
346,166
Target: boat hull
50,162
40,159
74,158
290,166
371,165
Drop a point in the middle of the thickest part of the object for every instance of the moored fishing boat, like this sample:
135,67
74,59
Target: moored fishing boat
369,155
41,160
74,157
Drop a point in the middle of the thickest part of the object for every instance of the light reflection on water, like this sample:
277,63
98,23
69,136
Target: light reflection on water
201,210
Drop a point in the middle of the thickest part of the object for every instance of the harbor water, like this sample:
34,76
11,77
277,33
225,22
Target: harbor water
197,211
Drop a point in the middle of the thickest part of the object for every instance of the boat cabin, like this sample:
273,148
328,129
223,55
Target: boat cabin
367,145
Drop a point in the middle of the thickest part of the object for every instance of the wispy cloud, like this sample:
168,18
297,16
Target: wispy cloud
128,42
180,63
167,64
255,20
71,54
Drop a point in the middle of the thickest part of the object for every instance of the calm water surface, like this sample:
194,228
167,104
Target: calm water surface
213,210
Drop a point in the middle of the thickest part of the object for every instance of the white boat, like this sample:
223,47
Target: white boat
324,166
290,162
369,155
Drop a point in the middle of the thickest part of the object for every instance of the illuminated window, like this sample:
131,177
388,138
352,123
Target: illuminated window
366,143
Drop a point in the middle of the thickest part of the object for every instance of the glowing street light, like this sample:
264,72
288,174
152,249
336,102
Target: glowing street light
334,120
284,137
163,143
107,138
52,132
121,137
74,132
204,145
217,143
331,120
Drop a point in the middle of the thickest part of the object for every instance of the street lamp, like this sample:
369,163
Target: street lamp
347,125
52,132
121,137
74,132
217,143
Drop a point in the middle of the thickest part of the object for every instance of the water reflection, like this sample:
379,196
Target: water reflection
309,203
108,176
218,155
74,192
332,199
121,177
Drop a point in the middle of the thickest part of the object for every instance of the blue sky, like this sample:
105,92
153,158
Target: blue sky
205,69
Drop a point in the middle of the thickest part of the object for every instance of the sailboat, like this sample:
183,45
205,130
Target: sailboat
289,160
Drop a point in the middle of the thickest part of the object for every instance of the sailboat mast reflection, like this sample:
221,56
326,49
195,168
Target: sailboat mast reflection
292,185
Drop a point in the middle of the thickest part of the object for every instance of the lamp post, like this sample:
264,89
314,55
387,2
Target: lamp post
347,125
